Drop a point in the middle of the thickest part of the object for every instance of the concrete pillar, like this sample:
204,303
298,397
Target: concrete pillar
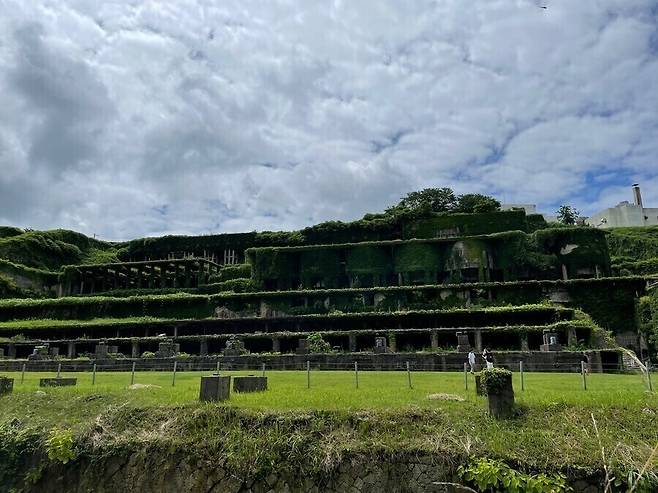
11,351
524,342
203,351
572,338
565,275
70,353
478,340
392,343
276,345
135,349
435,339
188,276
352,342
175,331
595,362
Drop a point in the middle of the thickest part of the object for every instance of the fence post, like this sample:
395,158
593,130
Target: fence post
466,376
93,375
582,371
173,378
132,375
263,369
356,373
23,373
59,370
409,375
649,375
521,372
218,368
308,374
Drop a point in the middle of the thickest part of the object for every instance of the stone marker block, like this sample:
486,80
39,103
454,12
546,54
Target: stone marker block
234,347
39,353
249,384
58,382
380,345
6,385
501,403
215,388
551,342
463,345
54,351
302,346
167,350
101,350
2,353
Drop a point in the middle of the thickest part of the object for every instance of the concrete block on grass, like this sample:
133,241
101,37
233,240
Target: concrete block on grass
215,388
249,384
6,385
58,382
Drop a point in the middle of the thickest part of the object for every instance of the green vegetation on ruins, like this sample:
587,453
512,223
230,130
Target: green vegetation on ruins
425,276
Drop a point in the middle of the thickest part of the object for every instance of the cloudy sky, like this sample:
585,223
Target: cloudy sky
130,118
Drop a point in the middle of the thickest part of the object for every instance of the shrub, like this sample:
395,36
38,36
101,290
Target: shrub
59,446
494,380
148,354
497,477
316,344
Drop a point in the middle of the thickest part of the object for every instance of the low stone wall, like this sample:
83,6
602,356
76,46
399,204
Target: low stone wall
173,473
558,361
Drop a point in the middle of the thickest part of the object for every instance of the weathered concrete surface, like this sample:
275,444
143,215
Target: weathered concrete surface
6,385
57,382
249,384
160,472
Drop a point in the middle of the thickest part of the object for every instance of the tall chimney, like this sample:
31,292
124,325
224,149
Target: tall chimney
637,196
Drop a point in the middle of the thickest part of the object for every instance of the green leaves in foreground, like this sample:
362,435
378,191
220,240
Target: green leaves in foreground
495,476
59,446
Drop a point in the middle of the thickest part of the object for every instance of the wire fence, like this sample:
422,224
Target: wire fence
174,367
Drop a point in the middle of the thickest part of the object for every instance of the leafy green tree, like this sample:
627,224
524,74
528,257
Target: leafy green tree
476,202
316,344
567,214
426,201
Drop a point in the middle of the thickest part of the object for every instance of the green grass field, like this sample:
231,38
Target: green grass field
553,430
336,390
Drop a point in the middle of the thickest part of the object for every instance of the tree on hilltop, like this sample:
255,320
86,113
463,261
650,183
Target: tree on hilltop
567,214
476,202
437,200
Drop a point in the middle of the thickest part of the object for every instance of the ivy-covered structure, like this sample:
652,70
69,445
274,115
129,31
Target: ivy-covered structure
430,283
546,254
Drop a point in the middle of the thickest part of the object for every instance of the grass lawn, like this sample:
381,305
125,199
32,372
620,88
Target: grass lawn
553,431
336,390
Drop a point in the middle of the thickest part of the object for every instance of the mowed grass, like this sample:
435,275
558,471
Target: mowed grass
336,390
554,427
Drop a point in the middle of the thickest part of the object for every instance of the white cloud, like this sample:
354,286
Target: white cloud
138,118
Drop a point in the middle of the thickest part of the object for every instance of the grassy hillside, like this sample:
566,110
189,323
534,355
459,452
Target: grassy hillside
291,428
50,250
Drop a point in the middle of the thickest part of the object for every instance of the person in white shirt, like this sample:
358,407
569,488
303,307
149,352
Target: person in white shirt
471,360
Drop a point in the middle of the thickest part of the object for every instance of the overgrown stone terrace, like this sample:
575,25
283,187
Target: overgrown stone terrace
415,280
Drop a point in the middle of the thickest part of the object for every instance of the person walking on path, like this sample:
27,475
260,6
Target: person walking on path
471,360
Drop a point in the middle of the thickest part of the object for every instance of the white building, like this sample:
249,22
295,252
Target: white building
529,209
626,214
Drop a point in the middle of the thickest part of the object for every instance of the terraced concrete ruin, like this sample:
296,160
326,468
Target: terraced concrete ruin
435,284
